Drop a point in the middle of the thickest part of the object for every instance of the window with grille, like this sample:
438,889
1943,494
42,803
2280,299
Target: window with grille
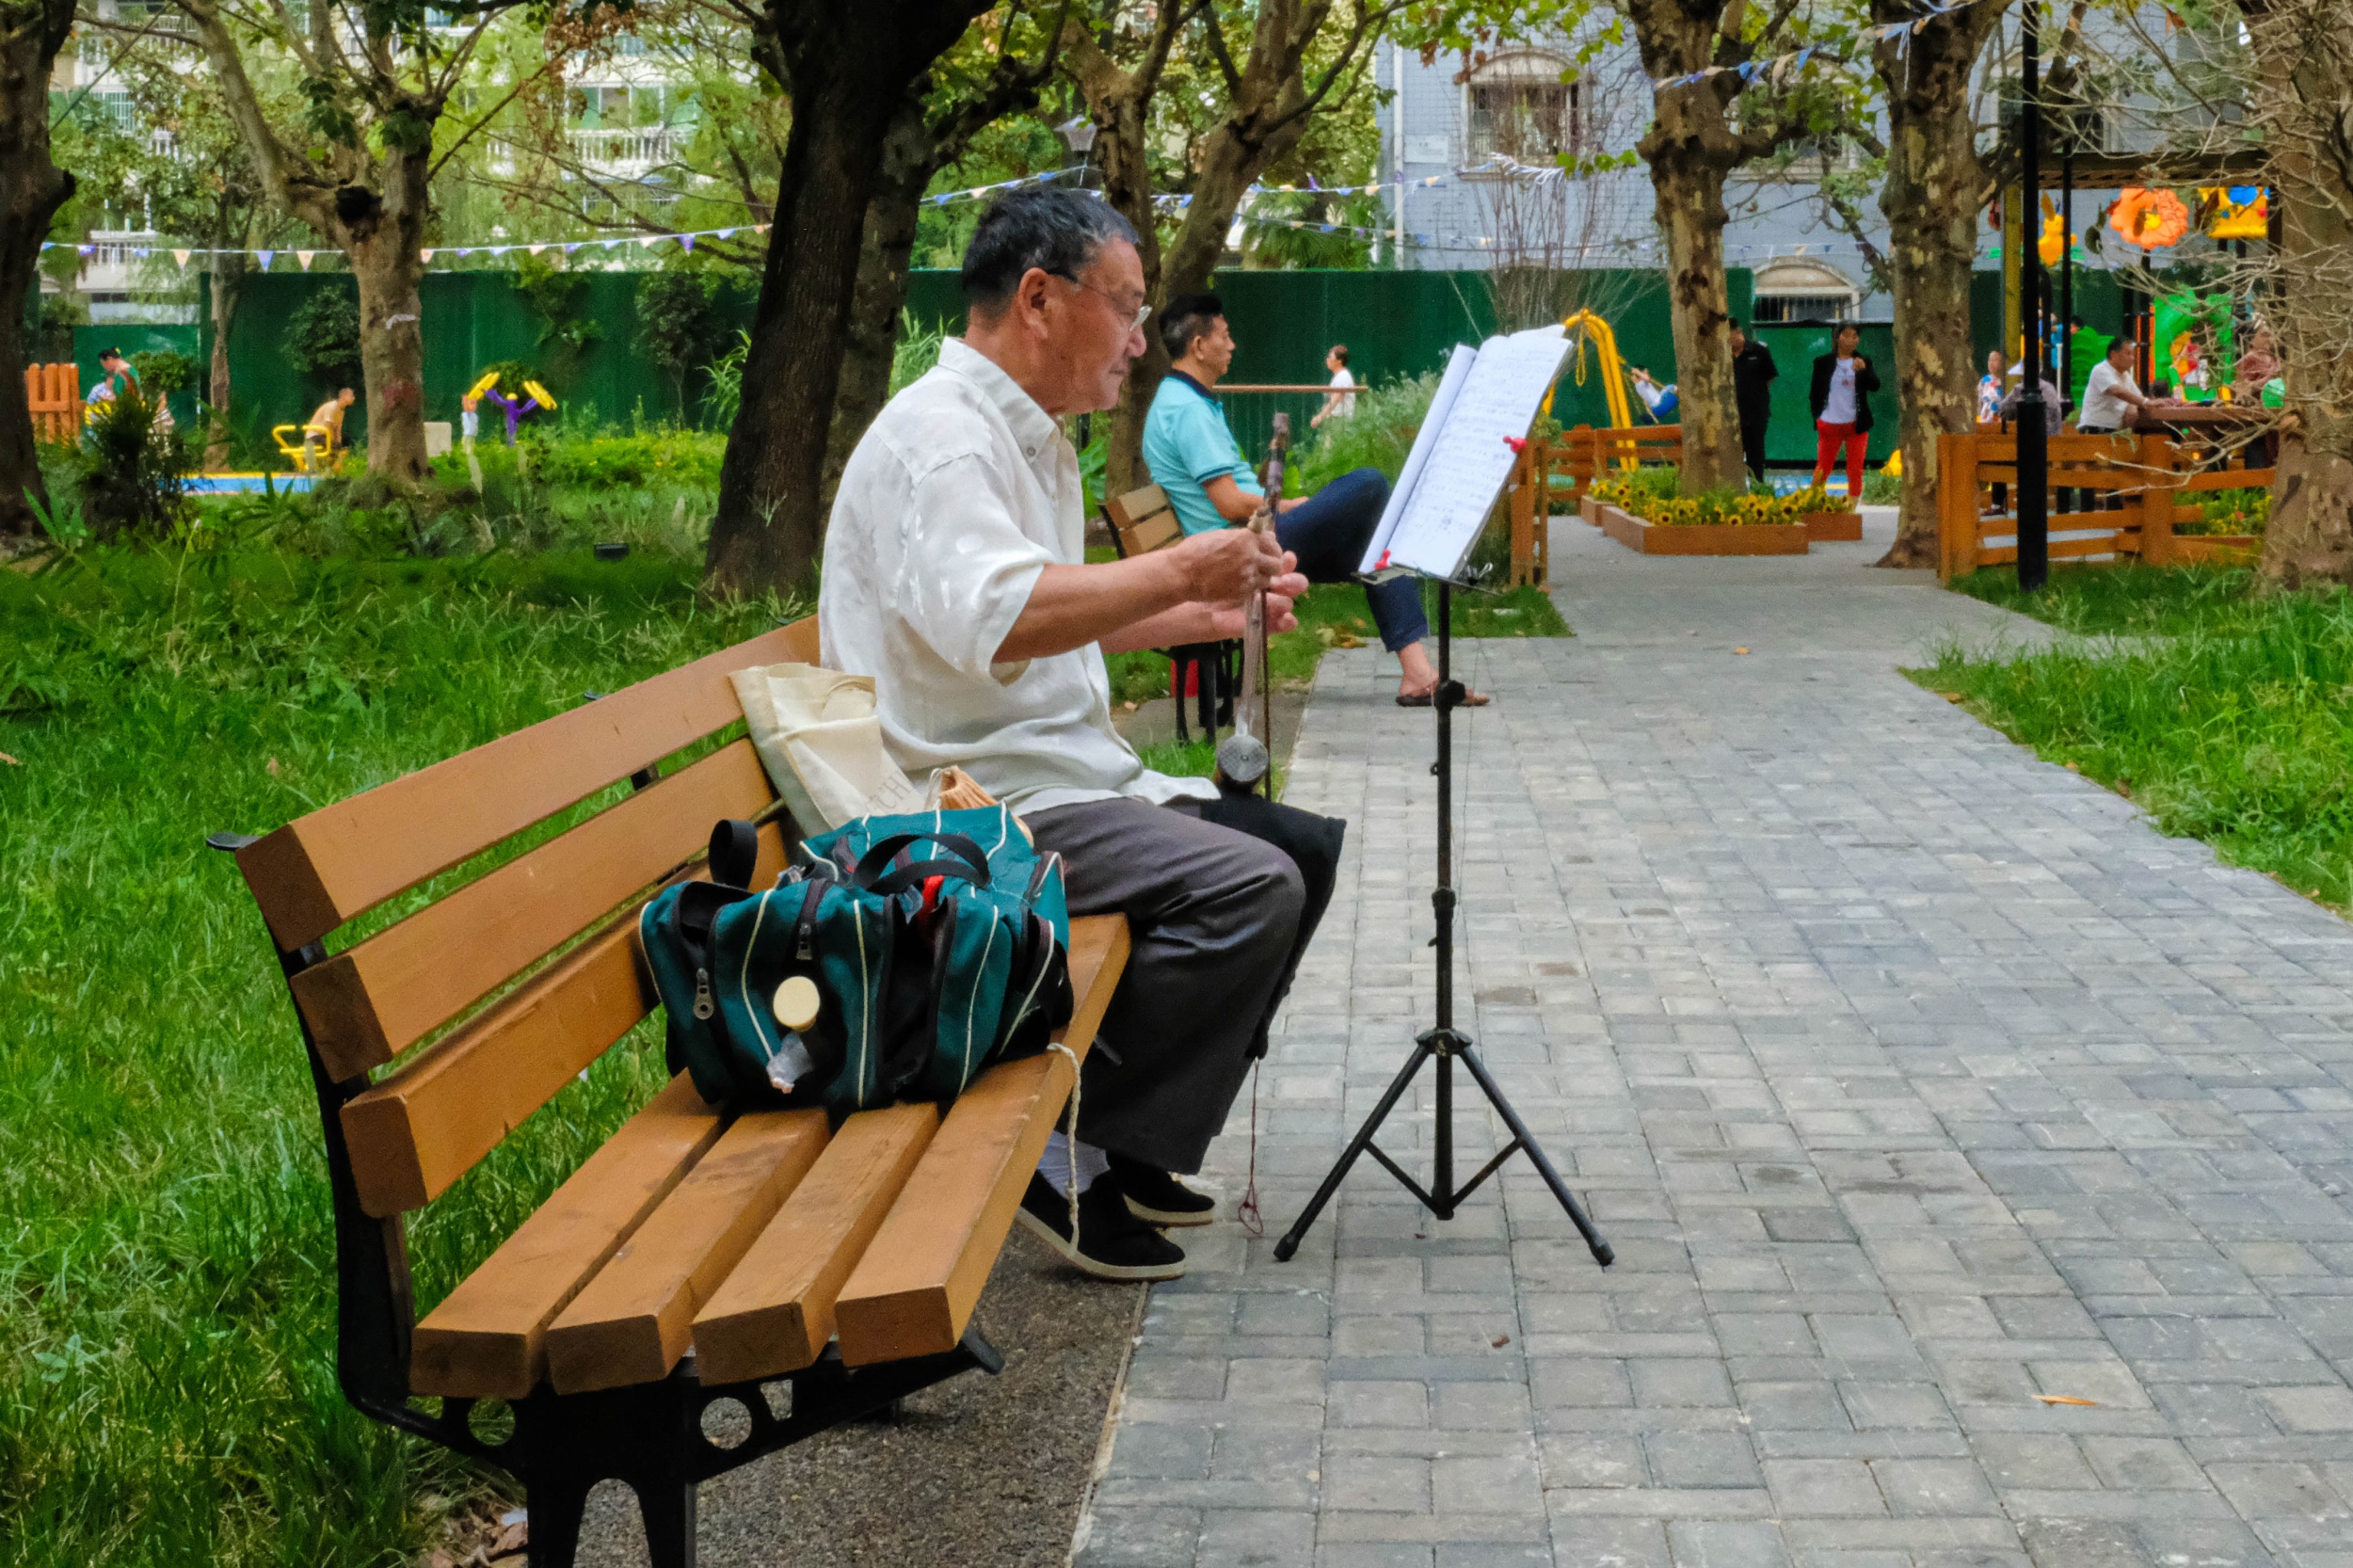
1520,108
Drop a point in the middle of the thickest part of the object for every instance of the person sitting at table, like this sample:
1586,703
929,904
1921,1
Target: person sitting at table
1194,458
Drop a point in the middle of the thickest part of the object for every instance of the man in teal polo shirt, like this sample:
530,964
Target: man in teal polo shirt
1194,457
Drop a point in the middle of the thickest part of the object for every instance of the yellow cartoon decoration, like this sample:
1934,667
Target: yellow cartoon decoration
2151,219
2052,246
2236,212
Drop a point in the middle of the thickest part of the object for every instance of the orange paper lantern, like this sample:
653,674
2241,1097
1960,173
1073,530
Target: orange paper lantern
2151,219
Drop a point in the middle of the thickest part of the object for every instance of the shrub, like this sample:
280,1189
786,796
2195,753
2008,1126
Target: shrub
1378,435
2230,512
132,469
727,384
678,324
162,371
323,336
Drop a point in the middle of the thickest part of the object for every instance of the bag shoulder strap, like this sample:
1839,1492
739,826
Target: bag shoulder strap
734,852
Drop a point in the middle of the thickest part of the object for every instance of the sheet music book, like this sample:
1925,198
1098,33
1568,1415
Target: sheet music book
1488,398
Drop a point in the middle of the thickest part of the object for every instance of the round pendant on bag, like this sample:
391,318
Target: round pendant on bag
797,1003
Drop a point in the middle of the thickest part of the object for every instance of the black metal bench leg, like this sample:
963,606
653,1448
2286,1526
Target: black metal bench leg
556,1508
669,1510
1177,667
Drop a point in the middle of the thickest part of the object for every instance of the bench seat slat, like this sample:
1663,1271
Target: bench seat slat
487,1339
370,1002
429,1121
323,869
634,1322
914,1291
775,1313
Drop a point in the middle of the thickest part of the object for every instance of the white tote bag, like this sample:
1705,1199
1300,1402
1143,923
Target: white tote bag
818,736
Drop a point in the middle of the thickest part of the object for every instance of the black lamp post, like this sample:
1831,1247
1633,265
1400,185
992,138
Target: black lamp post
2034,449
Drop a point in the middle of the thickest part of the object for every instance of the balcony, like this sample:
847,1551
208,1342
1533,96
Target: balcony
629,152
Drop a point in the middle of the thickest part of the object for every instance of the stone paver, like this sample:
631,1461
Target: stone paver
1915,1080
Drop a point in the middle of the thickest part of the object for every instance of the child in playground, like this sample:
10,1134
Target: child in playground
470,429
1661,401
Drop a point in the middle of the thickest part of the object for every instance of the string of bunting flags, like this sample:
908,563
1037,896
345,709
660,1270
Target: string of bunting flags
1780,66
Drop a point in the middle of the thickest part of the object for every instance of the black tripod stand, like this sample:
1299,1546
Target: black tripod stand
1444,1044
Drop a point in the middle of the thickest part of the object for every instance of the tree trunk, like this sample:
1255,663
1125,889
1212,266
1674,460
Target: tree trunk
226,280
850,67
391,352
32,188
910,155
1691,216
1120,103
1930,199
2310,541
2304,100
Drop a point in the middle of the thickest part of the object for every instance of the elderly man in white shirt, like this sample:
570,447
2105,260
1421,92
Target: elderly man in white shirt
955,575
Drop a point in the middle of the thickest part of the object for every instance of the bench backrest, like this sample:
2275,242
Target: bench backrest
1141,521
518,977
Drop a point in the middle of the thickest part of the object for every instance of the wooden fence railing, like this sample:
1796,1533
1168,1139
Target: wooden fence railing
55,394
1577,455
2124,496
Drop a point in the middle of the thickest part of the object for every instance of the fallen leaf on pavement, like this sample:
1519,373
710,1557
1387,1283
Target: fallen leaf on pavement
2064,1399
1739,651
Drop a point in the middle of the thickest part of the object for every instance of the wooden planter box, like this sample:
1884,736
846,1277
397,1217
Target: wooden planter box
1590,509
1719,539
1833,526
2215,550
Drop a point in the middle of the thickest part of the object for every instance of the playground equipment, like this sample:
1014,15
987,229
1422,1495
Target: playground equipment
1590,327
293,443
53,392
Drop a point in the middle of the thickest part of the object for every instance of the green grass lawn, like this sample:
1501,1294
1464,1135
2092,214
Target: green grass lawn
167,1295
2228,717
166,1391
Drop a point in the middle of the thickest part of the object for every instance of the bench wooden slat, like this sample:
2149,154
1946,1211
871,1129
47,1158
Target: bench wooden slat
635,1318
1143,520
914,1291
428,1122
775,1313
487,1339
321,870
370,1002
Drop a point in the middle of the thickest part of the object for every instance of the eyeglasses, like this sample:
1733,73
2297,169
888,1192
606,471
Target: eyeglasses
1141,310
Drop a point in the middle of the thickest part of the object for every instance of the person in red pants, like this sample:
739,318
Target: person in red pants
1843,384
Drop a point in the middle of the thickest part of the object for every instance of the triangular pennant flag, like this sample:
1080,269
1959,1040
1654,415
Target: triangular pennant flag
760,227
304,257
181,256
463,250
535,249
687,241
649,242
570,248
425,256
726,234
87,249
265,257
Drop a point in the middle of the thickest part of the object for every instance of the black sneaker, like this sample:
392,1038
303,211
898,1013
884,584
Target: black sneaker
1113,1243
1156,1196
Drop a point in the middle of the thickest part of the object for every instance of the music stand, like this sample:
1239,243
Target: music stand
1444,1043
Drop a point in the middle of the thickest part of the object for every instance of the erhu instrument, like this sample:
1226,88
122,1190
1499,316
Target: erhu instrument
1244,757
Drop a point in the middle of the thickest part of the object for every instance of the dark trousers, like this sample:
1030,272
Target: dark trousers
1753,441
1214,917
1328,531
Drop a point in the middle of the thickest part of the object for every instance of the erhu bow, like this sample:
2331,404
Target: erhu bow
1244,757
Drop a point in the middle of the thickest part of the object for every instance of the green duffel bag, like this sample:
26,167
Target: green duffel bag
895,959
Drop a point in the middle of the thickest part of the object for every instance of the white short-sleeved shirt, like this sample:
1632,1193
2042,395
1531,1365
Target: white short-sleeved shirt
2101,406
1838,407
1342,380
957,497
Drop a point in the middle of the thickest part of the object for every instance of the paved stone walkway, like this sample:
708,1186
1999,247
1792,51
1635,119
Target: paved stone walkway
1915,1081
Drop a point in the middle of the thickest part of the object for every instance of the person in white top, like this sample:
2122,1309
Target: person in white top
2110,396
955,576
1337,404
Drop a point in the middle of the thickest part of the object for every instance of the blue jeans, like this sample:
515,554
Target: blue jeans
1328,531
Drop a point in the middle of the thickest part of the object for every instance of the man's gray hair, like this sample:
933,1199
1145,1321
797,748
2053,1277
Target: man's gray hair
1059,232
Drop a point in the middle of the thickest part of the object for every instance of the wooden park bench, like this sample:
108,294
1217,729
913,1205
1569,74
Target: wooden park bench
1141,521
695,1259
